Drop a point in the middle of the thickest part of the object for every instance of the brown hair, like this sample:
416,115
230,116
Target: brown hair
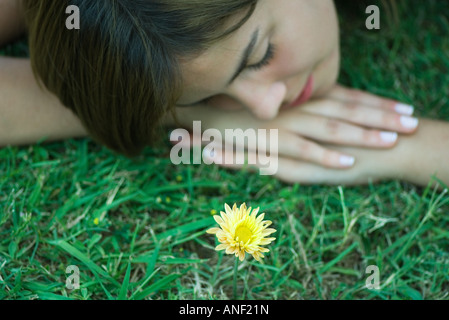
119,73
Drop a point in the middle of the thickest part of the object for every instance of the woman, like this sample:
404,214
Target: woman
135,65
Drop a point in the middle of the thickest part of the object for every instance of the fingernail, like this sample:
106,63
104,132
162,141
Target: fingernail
347,161
389,137
404,109
409,123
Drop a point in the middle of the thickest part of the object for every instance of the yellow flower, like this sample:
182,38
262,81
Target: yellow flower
241,231
96,221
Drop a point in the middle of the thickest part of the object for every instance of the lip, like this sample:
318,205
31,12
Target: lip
304,95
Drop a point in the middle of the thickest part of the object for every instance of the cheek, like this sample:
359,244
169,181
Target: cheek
306,35
290,61
225,102
298,52
327,73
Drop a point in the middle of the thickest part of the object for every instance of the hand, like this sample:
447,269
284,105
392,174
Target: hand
343,117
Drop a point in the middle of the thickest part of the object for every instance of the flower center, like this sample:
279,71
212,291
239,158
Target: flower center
243,233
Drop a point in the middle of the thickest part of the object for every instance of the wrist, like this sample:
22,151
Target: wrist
417,157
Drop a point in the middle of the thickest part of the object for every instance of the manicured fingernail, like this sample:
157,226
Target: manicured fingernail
389,137
404,109
347,161
409,123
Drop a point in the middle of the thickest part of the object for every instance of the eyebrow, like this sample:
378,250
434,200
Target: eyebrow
245,57
242,64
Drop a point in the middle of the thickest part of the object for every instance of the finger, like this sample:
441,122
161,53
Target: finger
290,144
334,131
348,95
186,139
291,171
285,144
312,153
360,114
233,159
219,151
299,148
287,170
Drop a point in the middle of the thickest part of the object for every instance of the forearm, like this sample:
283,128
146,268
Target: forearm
425,154
29,113
415,159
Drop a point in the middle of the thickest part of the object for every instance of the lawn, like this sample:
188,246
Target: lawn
135,229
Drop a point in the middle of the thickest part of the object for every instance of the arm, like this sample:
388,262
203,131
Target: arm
428,152
415,159
29,113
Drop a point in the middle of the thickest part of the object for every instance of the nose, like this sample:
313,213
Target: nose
262,100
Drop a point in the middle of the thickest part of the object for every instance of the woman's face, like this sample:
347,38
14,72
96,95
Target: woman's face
285,54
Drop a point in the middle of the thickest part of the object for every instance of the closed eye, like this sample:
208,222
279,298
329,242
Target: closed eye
266,60
269,55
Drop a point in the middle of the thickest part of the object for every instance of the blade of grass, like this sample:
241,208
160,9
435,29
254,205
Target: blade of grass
158,285
83,258
187,228
124,289
338,258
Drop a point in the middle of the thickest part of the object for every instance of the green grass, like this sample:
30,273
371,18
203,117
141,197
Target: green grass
150,241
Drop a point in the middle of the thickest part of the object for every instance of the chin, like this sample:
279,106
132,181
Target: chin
326,85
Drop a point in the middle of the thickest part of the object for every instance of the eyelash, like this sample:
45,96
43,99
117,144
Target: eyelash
266,60
271,51
206,101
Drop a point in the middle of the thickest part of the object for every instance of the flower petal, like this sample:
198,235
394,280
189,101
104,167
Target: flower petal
231,250
213,230
228,209
257,256
260,218
262,249
241,255
266,224
221,247
255,212
266,241
268,231
218,219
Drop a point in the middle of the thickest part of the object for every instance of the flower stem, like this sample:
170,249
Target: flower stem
236,266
